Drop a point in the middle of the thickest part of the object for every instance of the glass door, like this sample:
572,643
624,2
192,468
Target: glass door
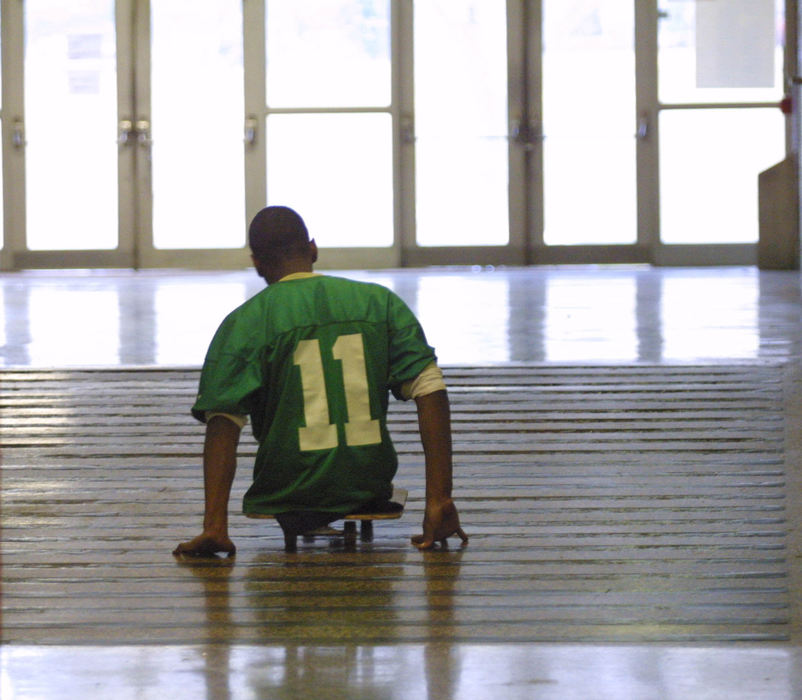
462,163
68,134
196,105
127,133
146,133
185,129
461,123
70,108
720,67
649,127
328,117
526,132
589,108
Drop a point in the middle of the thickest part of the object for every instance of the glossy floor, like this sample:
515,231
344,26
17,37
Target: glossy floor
553,315
588,316
402,672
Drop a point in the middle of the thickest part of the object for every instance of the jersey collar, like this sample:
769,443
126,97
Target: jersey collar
299,276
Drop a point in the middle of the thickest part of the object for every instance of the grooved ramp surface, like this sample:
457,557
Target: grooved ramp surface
603,503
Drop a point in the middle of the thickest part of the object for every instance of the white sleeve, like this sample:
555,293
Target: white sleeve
241,421
427,382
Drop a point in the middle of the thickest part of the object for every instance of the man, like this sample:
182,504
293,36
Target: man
311,360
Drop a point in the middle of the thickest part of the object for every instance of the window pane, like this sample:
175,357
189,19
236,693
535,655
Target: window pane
328,53
709,165
198,114
71,124
721,51
336,170
461,148
589,156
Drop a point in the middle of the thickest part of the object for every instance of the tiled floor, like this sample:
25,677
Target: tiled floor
549,322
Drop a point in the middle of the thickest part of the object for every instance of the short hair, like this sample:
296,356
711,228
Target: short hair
277,232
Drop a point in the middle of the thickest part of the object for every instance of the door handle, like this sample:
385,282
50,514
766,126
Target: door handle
644,128
526,134
128,130
249,132
143,132
407,131
125,130
18,134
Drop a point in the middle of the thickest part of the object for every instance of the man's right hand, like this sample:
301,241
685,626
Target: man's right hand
439,523
206,544
219,466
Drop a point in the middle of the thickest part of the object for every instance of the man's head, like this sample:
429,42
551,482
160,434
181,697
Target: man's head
280,243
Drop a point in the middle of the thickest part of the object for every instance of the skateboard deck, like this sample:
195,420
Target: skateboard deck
397,499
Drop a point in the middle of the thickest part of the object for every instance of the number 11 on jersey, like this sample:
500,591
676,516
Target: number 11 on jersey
319,433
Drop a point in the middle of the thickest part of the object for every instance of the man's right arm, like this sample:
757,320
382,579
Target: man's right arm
219,467
441,519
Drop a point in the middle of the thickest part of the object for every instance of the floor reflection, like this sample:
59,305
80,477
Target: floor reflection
183,330
326,619
704,318
419,672
327,597
515,315
579,327
442,667
466,317
213,574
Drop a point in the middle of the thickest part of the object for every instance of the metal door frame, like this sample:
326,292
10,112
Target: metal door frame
648,247
540,253
703,254
135,247
257,112
15,254
520,161
524,56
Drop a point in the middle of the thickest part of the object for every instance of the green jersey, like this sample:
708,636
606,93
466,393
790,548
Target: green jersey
311,359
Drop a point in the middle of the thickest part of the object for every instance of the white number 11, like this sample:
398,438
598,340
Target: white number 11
319,433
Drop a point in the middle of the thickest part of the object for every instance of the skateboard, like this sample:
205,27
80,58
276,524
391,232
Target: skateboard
397,502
